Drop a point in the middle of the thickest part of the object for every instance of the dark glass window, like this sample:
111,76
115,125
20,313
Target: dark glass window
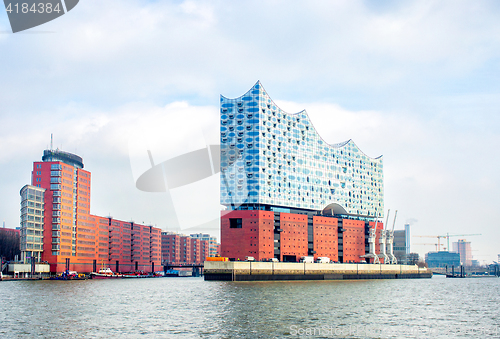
235,223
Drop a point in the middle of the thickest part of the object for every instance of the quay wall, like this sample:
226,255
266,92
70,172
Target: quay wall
253,271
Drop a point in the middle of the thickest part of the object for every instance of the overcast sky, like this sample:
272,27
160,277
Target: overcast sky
417,82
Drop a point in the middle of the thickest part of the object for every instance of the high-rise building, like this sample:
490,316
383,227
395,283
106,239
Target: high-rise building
66,209
288,193
57,227
464,249
408,239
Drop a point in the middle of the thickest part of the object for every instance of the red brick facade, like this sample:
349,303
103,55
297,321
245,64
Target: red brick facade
326,237
293,238
251,234
254,237
127,247
353,240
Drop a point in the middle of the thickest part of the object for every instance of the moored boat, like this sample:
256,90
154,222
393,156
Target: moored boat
105,273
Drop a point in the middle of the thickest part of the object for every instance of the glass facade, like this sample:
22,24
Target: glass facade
32,210
275,158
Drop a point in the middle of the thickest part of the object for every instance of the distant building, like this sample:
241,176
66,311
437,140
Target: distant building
464,249
400,246
442,259
11,231
408,239
182,249
212,242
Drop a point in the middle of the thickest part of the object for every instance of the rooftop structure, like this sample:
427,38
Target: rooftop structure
65,157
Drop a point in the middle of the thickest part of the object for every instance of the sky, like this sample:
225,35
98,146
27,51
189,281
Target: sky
415,81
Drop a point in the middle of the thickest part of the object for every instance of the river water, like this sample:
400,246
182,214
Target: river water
193,308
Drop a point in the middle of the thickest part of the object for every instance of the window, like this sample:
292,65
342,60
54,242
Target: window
235,223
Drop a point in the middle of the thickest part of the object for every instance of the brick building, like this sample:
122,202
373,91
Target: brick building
57,227
182,249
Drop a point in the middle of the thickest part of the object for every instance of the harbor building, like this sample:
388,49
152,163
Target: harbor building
287,192
57,227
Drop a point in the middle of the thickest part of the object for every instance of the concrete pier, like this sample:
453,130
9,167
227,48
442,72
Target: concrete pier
256,271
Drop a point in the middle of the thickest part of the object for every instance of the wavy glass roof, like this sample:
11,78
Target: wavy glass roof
276,158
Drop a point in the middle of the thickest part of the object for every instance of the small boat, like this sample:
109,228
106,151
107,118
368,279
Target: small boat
105,273
69,275
137,274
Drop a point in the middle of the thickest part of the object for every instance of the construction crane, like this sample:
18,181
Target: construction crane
371,241
437,250
433,236
382,241
447,236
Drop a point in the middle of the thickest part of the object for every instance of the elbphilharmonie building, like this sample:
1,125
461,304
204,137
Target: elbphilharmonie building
288,193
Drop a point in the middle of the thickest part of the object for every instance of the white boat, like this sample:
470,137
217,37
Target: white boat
104,273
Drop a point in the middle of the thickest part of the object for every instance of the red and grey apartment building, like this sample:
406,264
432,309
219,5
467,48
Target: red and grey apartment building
287,192
57,227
